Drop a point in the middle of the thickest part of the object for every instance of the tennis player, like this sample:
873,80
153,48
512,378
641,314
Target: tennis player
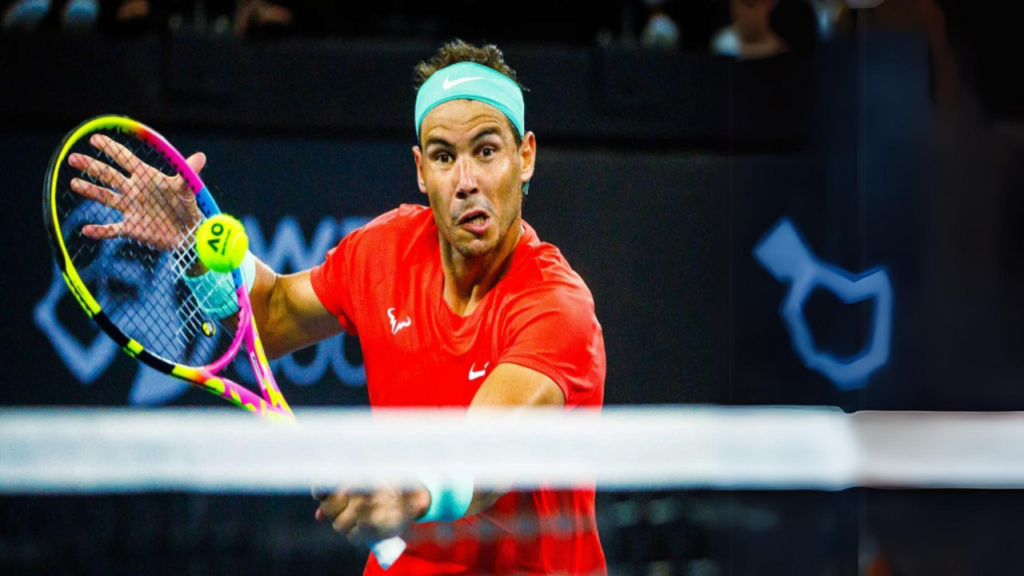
458,305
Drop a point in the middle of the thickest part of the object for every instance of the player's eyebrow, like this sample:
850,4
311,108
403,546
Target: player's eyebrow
489,131
437,141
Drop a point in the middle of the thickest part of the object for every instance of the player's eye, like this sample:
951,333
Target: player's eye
443,157
487,151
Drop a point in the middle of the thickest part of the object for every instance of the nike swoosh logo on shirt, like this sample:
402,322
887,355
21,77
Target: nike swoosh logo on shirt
474,375
450,84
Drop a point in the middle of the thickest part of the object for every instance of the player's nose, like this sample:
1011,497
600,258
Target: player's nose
467,183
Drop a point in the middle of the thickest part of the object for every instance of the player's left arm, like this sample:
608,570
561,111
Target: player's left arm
510,386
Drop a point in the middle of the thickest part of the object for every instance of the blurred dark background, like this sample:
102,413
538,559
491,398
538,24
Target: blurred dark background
672,136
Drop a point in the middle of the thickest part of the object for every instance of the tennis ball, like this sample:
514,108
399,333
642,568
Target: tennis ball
221,243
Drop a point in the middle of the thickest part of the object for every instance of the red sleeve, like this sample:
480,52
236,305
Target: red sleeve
333,284
555,332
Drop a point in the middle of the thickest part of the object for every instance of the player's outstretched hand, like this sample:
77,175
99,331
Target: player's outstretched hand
365,517
157,210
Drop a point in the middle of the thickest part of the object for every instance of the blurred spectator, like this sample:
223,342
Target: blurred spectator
80,14
765,28
129,9
27,15
130,15
661,31
750,35
245,17
260,14
831,15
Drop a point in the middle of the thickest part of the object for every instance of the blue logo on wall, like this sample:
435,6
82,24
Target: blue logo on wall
784,253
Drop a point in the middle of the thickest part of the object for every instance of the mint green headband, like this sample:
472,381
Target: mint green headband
471,81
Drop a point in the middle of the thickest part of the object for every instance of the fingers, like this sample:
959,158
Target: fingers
118,153
104,196
103,231
333,505
374,520
99,171
347,523
363,516
343,510
181,189
196,161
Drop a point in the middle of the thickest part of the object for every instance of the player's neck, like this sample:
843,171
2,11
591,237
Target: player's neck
468,279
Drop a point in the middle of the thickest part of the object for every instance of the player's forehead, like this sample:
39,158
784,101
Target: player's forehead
458,120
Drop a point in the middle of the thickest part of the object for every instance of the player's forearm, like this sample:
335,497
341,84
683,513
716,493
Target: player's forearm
510,387
263,299
482,500
288,314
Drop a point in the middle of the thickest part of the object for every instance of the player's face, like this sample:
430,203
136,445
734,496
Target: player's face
473,173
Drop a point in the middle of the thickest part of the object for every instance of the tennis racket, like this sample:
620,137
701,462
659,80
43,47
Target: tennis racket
122,207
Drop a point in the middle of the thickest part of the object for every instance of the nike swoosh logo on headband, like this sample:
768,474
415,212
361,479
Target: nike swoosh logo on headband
449,84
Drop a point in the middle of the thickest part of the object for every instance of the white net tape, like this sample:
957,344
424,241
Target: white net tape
218,450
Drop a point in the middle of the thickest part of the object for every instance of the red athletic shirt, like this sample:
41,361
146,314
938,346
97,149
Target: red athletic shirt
384,282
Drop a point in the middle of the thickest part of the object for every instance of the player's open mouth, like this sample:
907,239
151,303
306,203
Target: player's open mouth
475,221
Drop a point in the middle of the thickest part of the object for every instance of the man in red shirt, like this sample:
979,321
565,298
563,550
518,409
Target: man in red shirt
457,305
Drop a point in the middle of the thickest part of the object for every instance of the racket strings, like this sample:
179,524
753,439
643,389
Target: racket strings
136,277
194,304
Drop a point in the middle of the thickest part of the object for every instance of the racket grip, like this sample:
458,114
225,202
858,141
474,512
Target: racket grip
387,551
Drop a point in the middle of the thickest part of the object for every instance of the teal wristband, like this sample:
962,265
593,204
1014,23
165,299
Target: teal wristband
215,291
248,268
449,500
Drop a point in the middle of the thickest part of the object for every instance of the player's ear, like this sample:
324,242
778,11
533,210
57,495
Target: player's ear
527,156
417,155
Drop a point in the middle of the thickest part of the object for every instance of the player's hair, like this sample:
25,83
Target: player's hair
459,51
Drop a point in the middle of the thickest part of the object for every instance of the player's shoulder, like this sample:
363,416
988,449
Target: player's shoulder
541,271
404,231
407,218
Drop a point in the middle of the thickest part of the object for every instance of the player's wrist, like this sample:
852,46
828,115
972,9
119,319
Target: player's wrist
449,498
419,503
216,292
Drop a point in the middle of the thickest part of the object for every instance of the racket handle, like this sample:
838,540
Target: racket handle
387,551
